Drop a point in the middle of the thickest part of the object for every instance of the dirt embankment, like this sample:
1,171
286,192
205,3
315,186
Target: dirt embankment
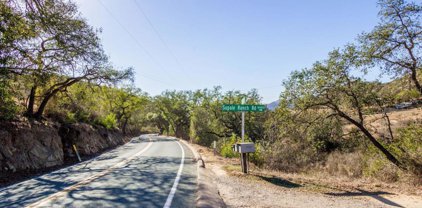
29,147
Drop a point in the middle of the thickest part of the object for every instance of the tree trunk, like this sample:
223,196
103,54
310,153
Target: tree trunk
31,102
389,156
124,126
43,104
415,80
49,95
378,145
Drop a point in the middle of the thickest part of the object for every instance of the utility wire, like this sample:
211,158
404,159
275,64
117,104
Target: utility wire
136,41
160,37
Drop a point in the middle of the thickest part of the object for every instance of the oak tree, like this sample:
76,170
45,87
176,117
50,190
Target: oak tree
395,43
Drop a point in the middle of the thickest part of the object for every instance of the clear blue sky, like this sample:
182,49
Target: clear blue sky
232,43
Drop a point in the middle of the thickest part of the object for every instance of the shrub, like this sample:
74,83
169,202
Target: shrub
110,121
408,147
226,148
406,95
201,126
345,163
378,167
8,108
71,117
257,157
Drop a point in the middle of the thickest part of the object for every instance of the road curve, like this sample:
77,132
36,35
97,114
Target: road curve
149,171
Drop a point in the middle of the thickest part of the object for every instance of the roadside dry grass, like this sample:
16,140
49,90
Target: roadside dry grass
267,188
398,119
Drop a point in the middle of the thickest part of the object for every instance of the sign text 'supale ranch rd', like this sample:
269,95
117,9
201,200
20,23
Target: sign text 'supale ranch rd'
249,108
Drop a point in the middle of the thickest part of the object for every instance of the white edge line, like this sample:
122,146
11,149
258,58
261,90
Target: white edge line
89,179
196,155
176,182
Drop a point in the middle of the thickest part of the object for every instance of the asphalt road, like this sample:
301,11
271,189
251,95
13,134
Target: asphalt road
149,171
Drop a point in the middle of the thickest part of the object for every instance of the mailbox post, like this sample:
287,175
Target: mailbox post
244,149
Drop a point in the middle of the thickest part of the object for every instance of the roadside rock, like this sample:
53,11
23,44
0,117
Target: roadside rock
29,145
88,139
33,145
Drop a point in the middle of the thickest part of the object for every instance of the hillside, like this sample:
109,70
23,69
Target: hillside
401,89
273,105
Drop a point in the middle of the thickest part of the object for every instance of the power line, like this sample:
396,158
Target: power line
136,41
159,36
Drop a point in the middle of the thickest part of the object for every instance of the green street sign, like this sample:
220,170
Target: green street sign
240,108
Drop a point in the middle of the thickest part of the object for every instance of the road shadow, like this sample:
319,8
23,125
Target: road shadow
162,139
40,188
280,182
152,139
141,183
150,171
374,194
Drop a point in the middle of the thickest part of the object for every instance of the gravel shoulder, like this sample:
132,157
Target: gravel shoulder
263,188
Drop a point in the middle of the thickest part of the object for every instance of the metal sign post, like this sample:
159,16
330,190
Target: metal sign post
243,156
247,147
243,121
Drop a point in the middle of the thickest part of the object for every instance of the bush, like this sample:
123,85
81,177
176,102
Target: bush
71,117
293,144
377,166
345,164
200,127
257,157
110,121
226,148
406,95
408,147
8,108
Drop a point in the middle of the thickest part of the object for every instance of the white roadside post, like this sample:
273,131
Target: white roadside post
77,153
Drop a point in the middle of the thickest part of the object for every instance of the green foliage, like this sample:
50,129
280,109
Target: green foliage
174,108
12,29
377,166
126,103
394,44
226,148
70,117
51,47
406,95
298,141
332,87
8,107
202,127
408,146
258,156
109,121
